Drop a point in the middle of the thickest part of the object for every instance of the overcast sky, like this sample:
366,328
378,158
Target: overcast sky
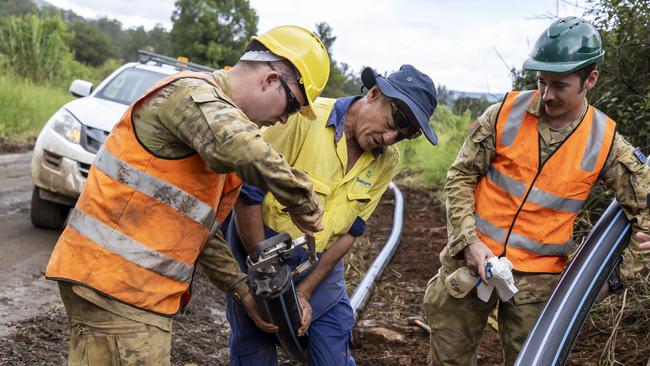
453,41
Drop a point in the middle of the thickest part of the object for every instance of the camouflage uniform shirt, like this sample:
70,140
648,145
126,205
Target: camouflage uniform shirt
623,173
192,116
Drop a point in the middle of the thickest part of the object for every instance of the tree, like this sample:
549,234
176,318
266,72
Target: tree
17,8
35,47
342,80
326,34
623,88
352,85
67,16
444,97
89,44
336,80
134,39
473,106
112,28
212,32
160,40
523,80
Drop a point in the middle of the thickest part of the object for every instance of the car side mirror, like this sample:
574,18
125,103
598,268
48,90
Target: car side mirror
81,88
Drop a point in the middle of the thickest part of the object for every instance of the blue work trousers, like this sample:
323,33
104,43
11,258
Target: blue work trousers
330,331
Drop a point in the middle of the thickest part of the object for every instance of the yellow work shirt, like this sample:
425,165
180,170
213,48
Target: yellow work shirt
317,148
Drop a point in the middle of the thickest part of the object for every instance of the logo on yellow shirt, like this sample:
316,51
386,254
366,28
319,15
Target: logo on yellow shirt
363,182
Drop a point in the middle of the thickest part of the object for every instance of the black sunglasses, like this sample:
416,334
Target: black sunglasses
406,129
293,105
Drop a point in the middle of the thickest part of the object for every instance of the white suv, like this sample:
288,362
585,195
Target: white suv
67,145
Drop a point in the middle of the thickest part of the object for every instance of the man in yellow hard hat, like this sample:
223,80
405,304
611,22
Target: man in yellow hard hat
516,187
165,178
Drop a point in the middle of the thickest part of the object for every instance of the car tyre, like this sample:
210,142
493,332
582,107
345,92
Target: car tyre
47,214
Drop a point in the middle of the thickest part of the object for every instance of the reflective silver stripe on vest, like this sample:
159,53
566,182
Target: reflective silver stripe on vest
153,187
552,201
516,117
595,143
518,241
128,248
512,186
536,196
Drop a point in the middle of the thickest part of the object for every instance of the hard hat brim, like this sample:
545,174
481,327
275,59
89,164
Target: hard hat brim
559,67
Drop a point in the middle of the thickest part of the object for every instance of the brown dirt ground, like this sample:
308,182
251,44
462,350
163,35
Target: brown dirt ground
201,334
398,295
16,145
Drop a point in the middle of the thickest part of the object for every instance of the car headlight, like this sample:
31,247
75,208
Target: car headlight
66,125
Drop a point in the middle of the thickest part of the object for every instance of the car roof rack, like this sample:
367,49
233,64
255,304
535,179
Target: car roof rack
147,57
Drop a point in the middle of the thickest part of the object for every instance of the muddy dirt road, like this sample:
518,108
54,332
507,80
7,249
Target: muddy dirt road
24,249
33,323
33,328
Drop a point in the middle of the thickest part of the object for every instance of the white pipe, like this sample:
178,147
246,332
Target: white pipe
362,292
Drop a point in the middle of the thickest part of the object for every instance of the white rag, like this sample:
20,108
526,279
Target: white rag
501,279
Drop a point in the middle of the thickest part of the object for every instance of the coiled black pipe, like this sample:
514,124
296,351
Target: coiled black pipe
552,338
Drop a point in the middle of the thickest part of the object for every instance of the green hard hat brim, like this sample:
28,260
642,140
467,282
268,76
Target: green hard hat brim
560,67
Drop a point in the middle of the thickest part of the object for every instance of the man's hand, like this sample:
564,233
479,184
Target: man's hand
305,308
308,223
645,240
249,305
476,255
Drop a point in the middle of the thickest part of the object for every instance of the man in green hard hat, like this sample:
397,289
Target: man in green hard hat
515,190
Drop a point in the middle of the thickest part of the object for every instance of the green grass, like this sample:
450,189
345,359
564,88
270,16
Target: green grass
25,107
426,166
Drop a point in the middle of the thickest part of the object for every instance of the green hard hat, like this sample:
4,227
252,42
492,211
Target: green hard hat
569,44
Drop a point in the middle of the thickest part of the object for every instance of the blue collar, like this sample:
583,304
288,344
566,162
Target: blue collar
337,116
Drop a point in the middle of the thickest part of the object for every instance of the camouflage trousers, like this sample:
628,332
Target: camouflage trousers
457,324
99,337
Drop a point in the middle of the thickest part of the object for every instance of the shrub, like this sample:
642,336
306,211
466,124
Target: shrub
426,165
35,47
25,107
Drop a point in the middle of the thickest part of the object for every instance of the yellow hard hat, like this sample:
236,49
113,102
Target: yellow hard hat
307,54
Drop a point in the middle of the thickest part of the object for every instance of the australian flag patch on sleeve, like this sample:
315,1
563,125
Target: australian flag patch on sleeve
639,155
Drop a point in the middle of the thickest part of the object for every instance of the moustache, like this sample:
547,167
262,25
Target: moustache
553,103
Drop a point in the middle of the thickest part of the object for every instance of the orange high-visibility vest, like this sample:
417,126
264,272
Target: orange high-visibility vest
142,221
525,209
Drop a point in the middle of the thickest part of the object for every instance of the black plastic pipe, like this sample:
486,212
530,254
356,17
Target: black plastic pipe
282,308
558,325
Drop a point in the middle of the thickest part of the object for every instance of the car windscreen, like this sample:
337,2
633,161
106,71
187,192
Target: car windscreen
128,85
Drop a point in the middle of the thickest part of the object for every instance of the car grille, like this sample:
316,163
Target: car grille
51,159
92,138
84,169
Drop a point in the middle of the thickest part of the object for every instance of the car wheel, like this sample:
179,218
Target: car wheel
47,214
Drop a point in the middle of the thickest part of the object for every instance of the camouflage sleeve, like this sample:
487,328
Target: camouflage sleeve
288,138
471,164
227,140
629,178
222,268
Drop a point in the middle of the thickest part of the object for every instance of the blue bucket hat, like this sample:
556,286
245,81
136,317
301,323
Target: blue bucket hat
413,89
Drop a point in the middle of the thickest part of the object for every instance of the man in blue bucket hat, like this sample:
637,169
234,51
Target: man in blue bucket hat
348,154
